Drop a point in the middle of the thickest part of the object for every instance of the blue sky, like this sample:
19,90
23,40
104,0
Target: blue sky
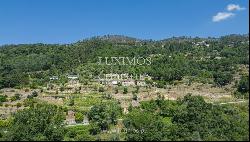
67,21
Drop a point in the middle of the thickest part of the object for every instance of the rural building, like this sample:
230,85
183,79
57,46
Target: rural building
85,120
70,118
128,83
54,78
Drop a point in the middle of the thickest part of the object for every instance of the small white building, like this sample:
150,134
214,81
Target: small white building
85,120
141,83
128,83
70,118
114,82
54,78
73,77
218,58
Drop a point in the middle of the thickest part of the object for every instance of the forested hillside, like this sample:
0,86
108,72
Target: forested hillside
212,60
198,90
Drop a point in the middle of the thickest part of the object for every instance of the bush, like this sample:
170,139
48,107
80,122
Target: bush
5,123
62,89
26,90
116,91
33,86
34,94
15,97
29,102
243,86
71,102
101,89
79,117
125,90
94,129
18,105
135,97
3,98
137,89
107,96
160,84
222,79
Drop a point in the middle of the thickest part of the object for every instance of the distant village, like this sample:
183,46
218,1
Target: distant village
113,79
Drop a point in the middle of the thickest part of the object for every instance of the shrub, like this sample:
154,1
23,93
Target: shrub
71,102
135,97
26,90
222,79
79,117
243,86
101,89
116,91
3,98
15,97
29,102
18,105
125,90
61,89
107,96
32,95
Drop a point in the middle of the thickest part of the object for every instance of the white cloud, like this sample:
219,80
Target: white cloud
222,16
232,7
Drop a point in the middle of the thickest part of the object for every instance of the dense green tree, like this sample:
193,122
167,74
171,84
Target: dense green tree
243,86
150,106
104,114
222,79
43,122
78,133
79,117
143,126
200,120
3,98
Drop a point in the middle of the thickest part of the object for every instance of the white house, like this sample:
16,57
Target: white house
114,82
85,120
54,78
73,77
128,82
